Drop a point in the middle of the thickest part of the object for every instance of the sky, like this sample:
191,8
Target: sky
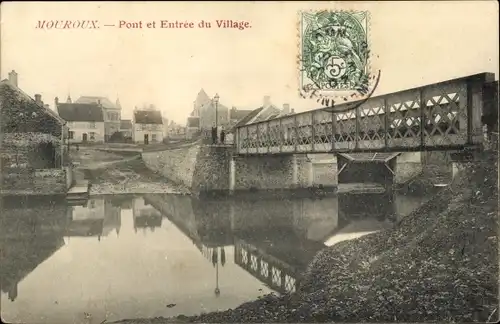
412,44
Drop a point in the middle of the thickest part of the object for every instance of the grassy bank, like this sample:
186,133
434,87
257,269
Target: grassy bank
438,264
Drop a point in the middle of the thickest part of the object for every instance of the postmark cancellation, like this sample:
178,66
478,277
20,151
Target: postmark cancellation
334,53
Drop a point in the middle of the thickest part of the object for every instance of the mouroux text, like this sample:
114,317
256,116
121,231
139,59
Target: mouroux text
67,24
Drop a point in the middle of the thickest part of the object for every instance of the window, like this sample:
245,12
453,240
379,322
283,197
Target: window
71,135
153,137
92,125
139,127
92,136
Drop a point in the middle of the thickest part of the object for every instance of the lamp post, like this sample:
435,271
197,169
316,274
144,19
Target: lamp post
216,101
215,262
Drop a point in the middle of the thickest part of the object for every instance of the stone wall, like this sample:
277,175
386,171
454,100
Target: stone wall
407,166
37,182
177,165
29,150
437,165
203,169
272,172
212,169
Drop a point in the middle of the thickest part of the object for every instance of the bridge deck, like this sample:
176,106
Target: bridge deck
441,116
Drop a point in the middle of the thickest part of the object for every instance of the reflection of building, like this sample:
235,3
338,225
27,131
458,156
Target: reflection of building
87,220
112,218
121,201
31,232
145,215
98,218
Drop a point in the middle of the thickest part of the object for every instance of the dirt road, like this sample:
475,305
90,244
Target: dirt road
113,173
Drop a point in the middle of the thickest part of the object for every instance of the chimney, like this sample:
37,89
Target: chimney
56,101
293,111
38,99
234,108
99,102
13,77
68,100
267,101
46,106
286,108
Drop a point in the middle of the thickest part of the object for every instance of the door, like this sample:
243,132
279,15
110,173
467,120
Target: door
84,137
146,139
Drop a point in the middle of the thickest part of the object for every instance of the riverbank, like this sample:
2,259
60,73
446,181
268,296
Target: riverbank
119,173
438,264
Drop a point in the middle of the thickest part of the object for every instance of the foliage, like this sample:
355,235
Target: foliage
20,115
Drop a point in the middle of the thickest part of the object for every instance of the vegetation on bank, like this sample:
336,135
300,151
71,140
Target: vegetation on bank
438,264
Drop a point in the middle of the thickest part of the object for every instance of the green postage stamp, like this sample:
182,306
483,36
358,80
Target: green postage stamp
334,53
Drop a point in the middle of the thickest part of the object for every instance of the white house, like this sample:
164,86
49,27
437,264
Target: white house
85,121
147,126
112,113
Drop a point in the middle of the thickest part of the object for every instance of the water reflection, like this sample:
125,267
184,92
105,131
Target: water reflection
127,256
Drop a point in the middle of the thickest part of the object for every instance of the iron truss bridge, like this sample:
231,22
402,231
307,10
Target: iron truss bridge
440,116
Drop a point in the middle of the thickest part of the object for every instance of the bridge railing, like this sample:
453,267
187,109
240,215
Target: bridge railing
444,115
274,273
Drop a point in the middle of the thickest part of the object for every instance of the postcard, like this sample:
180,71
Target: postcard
249,161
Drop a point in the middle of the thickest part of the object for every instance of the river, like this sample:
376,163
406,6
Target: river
150,255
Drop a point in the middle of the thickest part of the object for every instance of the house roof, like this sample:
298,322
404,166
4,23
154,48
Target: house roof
23,94
202,98
248,117
105,102
193,122
125,124
267,113
238,114
80,112
148,117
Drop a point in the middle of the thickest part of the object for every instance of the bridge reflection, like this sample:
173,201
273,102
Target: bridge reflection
275,273
273,240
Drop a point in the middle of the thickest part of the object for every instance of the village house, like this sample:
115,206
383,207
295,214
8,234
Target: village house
235,115
203,116
192,127
126,129
147,126
84,120
204,110
111,112
265,112
34,154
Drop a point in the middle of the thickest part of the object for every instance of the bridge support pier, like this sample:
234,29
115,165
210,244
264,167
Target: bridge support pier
232,174
310,176
273,172
295,171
